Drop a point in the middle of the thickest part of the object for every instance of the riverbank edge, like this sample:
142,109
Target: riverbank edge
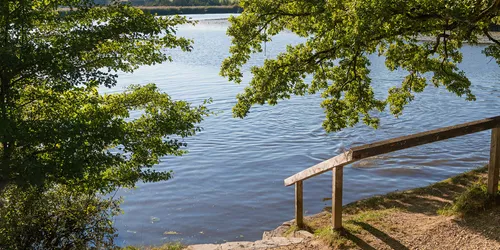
455,213
435,200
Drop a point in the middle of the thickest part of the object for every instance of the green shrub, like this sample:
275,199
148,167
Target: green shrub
474,199
56,218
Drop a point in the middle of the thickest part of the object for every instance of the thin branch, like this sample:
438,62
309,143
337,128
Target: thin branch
487,34
494,6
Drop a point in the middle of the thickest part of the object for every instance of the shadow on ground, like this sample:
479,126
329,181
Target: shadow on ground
425,201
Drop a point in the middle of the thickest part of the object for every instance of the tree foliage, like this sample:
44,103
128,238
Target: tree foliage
56,218
55,127
340,36
64,145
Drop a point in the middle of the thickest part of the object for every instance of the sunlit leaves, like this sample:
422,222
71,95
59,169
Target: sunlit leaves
80,135
55,126
339,37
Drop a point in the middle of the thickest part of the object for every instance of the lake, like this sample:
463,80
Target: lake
230,185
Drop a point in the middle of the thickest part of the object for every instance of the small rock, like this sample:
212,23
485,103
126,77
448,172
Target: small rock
303,234
266,235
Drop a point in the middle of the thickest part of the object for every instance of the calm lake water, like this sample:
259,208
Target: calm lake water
230,185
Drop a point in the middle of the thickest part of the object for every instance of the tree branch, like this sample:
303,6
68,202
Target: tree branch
487,34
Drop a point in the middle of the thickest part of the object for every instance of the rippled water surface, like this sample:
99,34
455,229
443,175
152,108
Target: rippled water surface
230,185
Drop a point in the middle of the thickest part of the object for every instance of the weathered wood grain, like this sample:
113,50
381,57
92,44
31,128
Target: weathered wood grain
337,183
395,144
299,204
409,141
339,160
494,164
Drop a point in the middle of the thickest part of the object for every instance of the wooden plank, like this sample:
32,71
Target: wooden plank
337,183
299,204
391,145
409,141
494,165
339,160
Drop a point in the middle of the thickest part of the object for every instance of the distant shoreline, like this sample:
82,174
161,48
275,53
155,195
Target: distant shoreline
178,10
143,7
183,10
231,9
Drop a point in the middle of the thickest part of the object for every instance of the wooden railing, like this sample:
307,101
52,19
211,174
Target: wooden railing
338,162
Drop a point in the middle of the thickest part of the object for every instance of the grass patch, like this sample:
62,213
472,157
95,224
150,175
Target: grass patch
475,199
293,228
332,237
416,200
339,239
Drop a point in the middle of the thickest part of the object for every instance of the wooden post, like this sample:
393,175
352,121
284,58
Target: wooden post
299,205
494,165
337,197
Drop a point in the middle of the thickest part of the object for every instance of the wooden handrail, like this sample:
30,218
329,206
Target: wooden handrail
339,160
395,144
382,147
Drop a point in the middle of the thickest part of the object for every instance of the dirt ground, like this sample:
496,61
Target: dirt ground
409,220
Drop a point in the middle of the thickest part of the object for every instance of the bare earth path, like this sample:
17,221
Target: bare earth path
401,230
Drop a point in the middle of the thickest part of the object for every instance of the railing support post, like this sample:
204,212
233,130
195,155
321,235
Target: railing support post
494,164
299,205
337,197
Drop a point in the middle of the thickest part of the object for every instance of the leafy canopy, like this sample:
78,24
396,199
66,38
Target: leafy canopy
58,218
340,35
55,127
